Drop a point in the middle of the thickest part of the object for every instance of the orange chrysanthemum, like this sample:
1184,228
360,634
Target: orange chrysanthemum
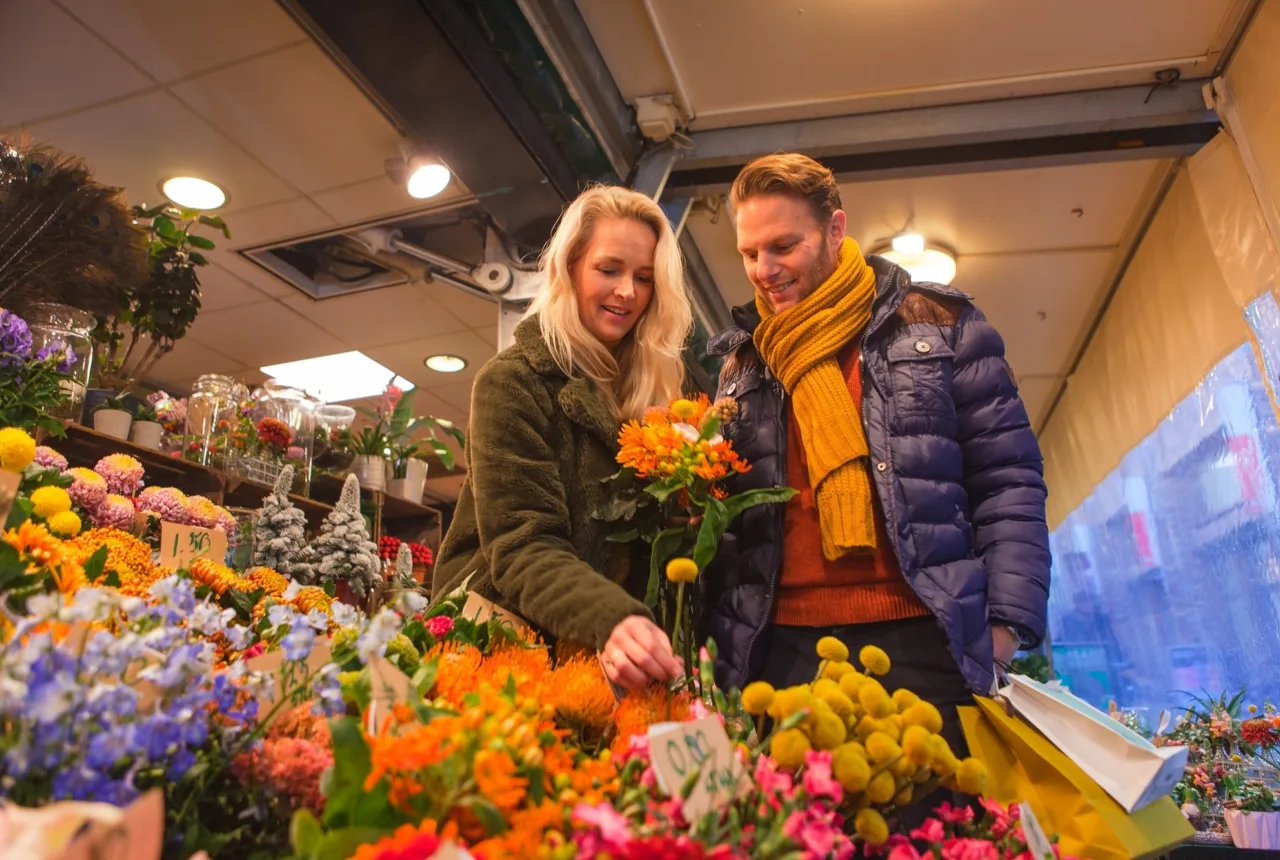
271,582
217,576
496,778
640,709
40,550
456,668
127,557
581,694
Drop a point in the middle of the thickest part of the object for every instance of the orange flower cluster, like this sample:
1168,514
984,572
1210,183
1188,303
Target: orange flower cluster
641,709
271,582
216,575
668,443
41,551
127,556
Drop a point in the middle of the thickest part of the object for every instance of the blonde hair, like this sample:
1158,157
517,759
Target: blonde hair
789,173
647,368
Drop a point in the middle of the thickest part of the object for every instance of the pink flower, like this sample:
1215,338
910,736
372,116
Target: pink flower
115,512
931,831
88,489
610,832
817,777
202,512
1002,820
969,849
639,747
698,710
901,849
50,459
818,832
392,396
168,503
439,626
953,815
770,779
254,650
123,473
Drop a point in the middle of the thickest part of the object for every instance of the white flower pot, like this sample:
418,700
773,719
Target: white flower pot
1257,830
147,434
411,486
113,422
369,471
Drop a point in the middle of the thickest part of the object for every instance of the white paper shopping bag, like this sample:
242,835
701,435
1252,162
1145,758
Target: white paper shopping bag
1124,764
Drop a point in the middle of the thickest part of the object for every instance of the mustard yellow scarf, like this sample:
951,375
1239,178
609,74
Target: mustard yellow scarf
800,345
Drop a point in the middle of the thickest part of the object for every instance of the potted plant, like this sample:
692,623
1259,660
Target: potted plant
146,429
32,381
1251,814
370,446
112,417
394,420
155,314
407,473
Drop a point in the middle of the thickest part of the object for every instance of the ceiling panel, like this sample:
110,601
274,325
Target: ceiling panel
170,45
377,197
379,317
299,115
140,141
749,61
50,64
718,243
188,360
220,289
254,274
276,221
473,310
406,358
267,333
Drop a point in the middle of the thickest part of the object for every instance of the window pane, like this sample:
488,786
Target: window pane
1167,579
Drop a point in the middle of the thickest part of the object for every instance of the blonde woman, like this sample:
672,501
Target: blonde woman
602,343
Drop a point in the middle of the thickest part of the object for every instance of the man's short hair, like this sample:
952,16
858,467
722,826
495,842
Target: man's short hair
789,173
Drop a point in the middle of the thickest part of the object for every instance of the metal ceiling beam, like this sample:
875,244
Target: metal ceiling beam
1097,124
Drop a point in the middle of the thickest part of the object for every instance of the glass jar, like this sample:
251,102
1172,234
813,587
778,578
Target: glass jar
53,324
211,414
333,420
282,433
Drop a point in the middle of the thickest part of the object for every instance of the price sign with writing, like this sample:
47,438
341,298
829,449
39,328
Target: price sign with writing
9,483
698,747
1038,843
181,545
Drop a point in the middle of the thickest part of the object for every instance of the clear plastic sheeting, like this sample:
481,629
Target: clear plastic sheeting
1166,579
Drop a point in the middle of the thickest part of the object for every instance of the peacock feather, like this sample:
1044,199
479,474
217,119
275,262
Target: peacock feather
63,236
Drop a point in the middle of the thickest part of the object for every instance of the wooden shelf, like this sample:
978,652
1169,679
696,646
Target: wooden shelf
84,446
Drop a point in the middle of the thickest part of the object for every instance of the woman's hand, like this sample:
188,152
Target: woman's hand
639,653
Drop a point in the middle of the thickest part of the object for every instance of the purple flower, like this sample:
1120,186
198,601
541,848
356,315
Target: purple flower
15,339
63,352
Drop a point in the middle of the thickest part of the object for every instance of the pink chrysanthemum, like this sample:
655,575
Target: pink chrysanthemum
88,489
123,473
227,522
202,512
168,503
115,512
50,459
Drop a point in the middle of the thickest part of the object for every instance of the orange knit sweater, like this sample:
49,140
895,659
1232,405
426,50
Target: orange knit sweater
859,588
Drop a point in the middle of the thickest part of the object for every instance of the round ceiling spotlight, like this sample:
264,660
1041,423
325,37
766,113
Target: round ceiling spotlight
192,192
924,262
445,363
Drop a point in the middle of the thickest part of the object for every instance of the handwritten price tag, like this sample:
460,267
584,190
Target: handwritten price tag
9,483
1038,843
181,545
700,747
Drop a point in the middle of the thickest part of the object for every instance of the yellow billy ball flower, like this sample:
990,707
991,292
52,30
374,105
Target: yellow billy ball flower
684,409
841,704
757,697
851,683
831,648
971,777
875,700
837,669
64,524
47,501
916,746
871,826
876,661
902,769
828,732
790,701
924,714
850,768
904,699
789,747
882,787
682,570
17,449
824,687
903,798
882,748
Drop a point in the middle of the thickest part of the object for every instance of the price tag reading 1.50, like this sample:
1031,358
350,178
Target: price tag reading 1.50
698,747
181,545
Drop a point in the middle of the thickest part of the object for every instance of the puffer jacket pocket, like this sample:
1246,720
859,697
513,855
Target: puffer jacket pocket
921,368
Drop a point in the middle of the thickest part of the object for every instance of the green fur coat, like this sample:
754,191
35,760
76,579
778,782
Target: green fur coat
539,445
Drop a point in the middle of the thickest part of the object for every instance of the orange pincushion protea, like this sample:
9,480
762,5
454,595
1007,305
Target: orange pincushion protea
456,668
526,665
641,709
581,695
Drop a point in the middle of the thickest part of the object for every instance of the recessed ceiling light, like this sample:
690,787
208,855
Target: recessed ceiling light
428,178
193,193
934,265
909,243
445,363
334,378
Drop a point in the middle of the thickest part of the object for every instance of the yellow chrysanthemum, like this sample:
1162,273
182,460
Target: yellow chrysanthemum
789,748
831,648
850,768
875,660
17,449
682,570
757,697
127,556
971,777
882,787
65,524
40,551
271,582
871,826
47,501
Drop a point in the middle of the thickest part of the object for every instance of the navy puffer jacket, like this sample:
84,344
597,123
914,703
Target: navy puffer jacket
954,460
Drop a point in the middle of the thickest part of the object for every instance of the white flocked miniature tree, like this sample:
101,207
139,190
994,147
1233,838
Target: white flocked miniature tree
343,551
280,533
404,568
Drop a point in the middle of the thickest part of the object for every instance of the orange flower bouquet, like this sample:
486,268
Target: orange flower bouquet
671,494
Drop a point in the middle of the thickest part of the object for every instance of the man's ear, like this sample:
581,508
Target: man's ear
836,228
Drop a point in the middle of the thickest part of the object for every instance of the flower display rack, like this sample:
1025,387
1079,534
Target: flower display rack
84,446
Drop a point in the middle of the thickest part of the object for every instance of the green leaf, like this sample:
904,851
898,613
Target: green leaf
216,223
20,513
187,214
425,678
305,832
198,258
342,844
739,502
201,242
624,537
664,546
489,816
662,490
714,521
95,563
348,803
164,227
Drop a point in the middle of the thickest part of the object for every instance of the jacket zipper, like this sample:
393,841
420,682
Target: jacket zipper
782,513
